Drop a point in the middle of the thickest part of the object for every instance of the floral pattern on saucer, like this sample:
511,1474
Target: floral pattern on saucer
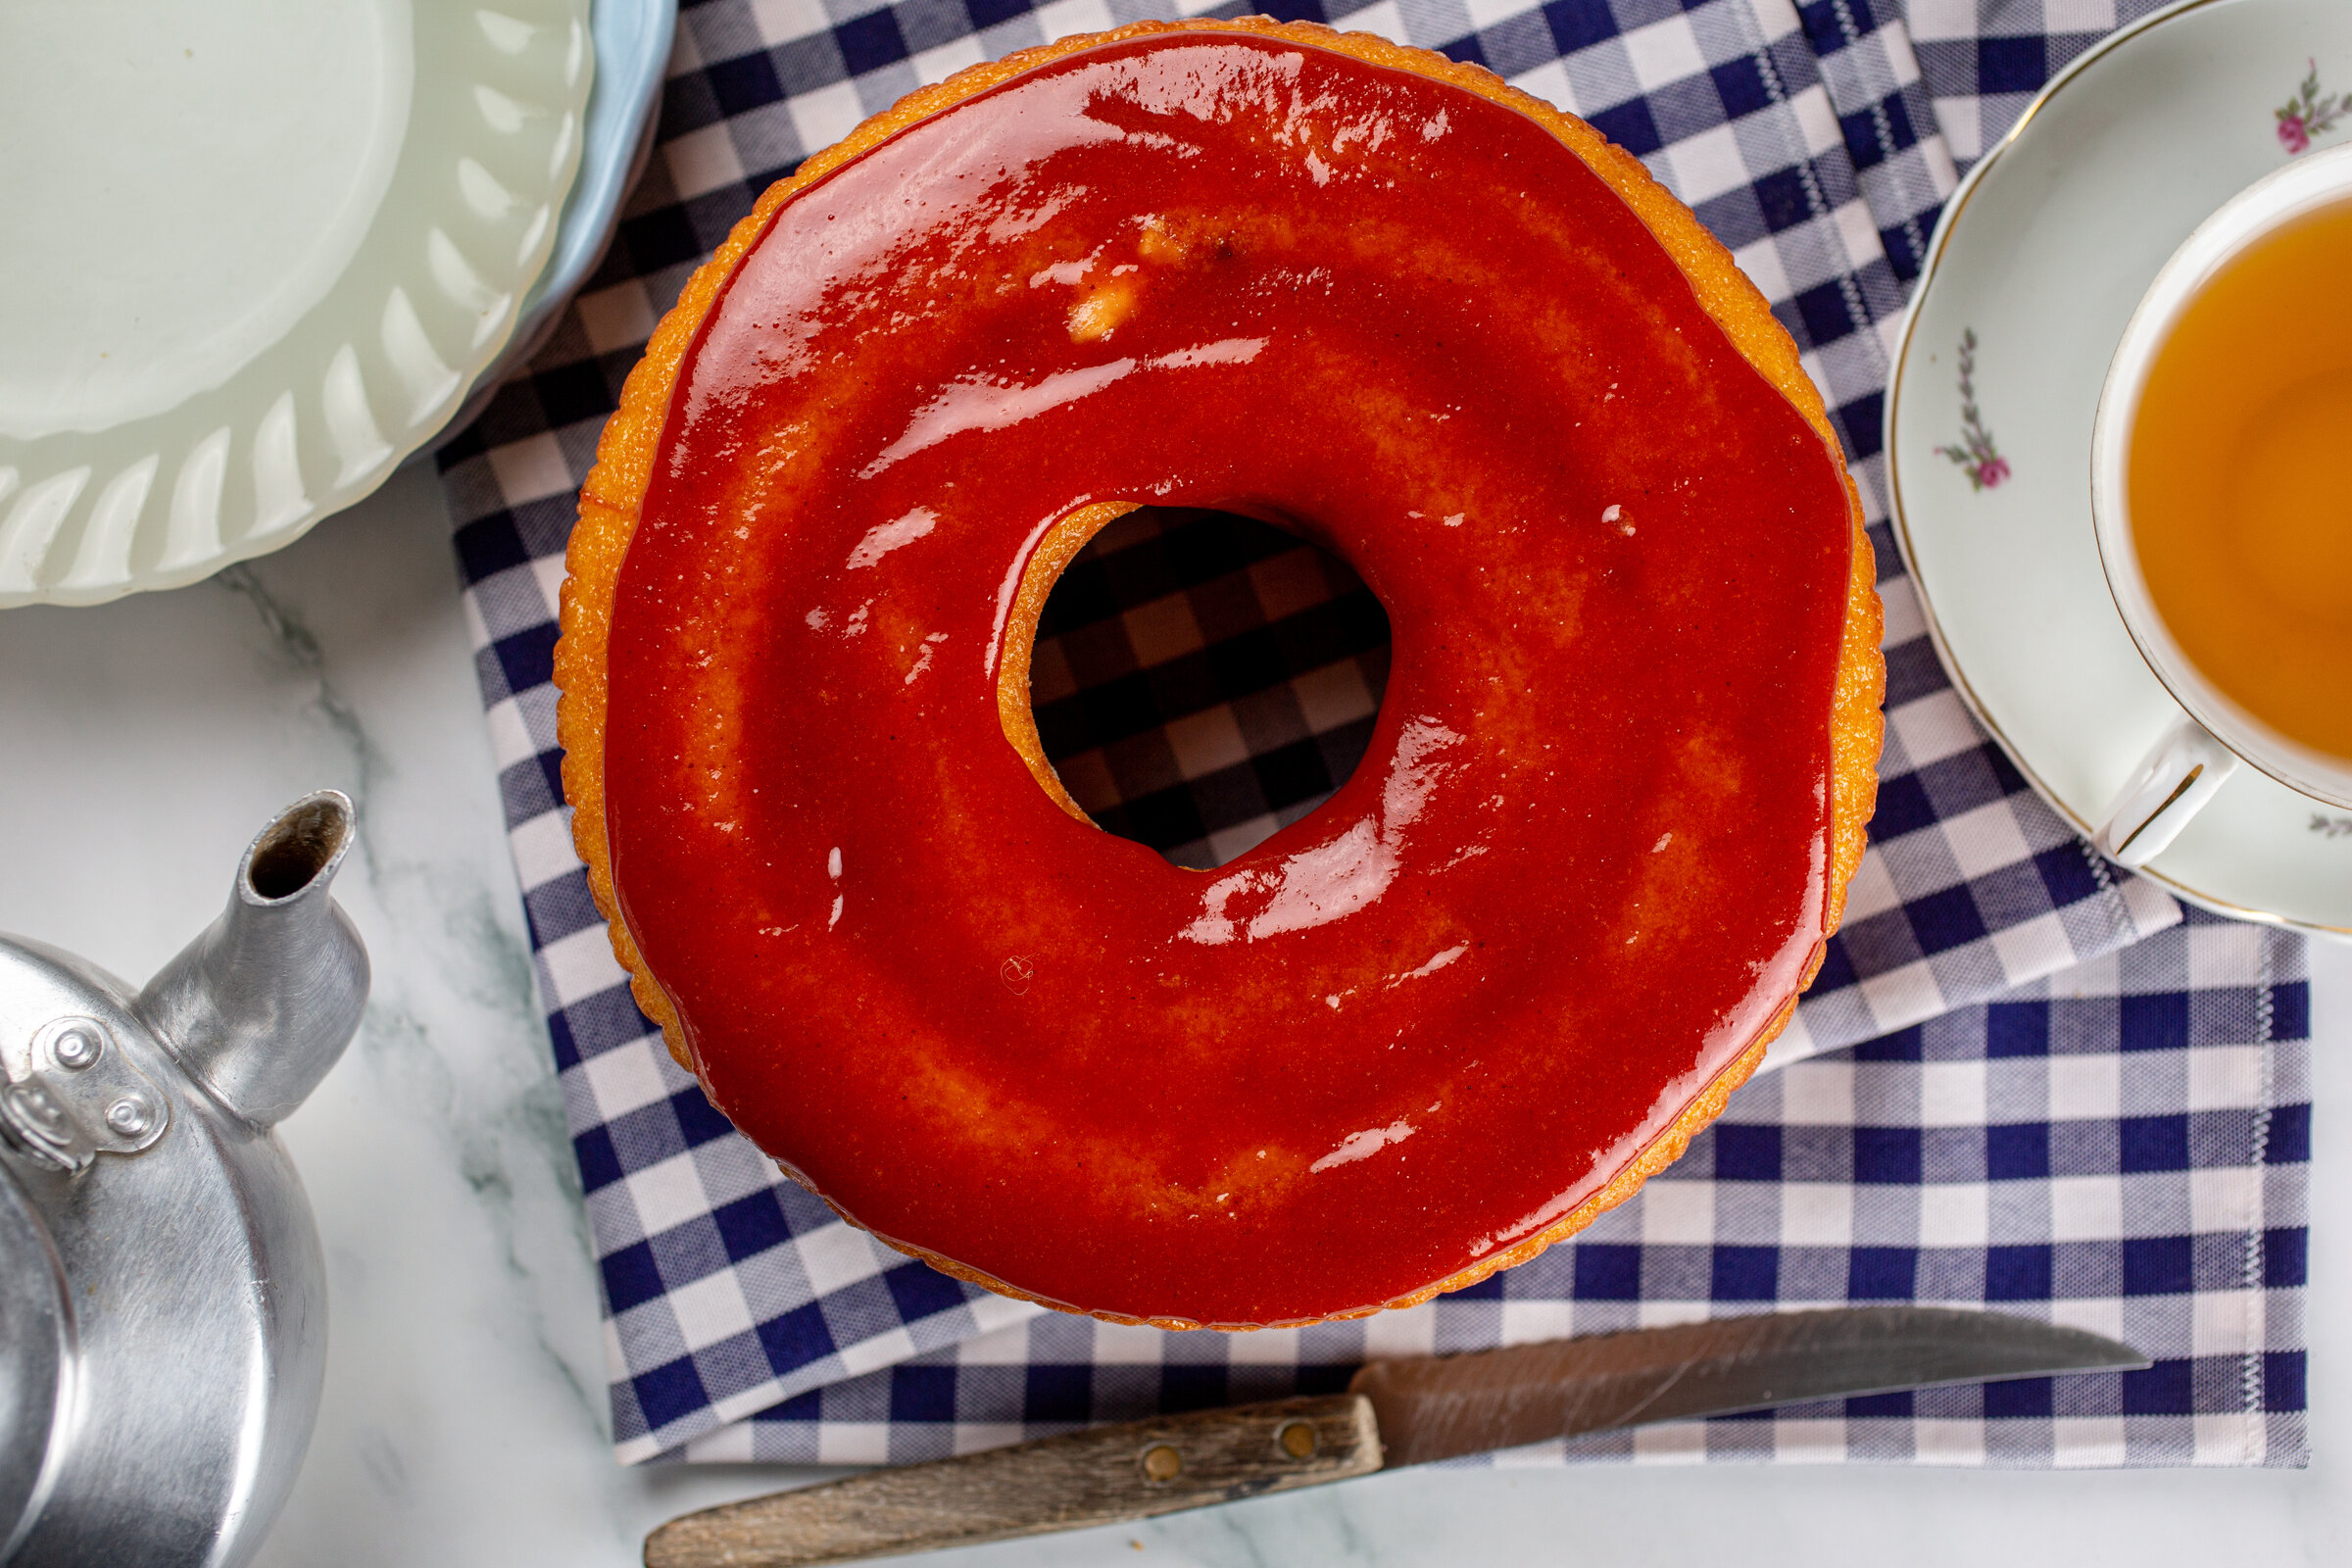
1975,453
2309,112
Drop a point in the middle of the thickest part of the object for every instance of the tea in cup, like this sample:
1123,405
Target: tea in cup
2222,496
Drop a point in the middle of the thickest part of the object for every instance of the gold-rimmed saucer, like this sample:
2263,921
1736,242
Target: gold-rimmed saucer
2036,264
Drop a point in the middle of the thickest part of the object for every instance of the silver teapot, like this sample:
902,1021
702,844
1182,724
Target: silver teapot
163,1298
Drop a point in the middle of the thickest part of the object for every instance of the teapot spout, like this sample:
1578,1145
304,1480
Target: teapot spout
260,1005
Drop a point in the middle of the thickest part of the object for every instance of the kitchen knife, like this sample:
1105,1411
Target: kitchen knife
1396,1412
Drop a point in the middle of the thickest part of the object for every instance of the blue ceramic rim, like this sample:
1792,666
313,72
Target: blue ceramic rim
632,43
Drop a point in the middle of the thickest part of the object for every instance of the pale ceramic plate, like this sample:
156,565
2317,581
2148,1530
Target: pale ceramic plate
258,249
631,40
2040,259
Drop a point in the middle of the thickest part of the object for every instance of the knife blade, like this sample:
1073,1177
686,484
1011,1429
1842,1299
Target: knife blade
1396,1412
1439,1407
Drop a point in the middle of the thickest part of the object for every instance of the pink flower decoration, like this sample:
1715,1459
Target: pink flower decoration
1975,453
2309,113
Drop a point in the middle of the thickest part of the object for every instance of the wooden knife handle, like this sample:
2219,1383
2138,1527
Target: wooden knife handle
1087,1477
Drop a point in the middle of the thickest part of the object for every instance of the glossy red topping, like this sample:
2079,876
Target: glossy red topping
1581,865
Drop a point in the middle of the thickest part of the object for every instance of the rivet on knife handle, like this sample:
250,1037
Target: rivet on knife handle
1100,1476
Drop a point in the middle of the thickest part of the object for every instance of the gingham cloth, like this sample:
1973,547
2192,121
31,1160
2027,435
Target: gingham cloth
2049,1094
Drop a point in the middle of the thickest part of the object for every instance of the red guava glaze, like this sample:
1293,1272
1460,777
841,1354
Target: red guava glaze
1581,865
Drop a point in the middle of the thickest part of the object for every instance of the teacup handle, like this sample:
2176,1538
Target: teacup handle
2182,770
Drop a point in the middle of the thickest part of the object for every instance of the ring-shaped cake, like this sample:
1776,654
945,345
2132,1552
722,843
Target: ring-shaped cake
1615,791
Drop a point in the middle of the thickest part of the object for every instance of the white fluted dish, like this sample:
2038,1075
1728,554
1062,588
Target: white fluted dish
257,251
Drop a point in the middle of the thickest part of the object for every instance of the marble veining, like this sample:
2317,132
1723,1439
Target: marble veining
523,1118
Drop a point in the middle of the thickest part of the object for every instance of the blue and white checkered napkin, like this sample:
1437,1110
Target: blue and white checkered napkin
2021,1080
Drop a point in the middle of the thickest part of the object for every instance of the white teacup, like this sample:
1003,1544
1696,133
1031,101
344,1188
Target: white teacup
2189,762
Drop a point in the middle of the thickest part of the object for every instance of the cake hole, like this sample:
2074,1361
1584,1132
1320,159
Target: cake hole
1203,679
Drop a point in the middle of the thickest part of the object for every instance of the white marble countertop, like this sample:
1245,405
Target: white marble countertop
465,1418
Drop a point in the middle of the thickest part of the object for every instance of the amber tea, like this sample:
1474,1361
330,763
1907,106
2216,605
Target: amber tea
2240,480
